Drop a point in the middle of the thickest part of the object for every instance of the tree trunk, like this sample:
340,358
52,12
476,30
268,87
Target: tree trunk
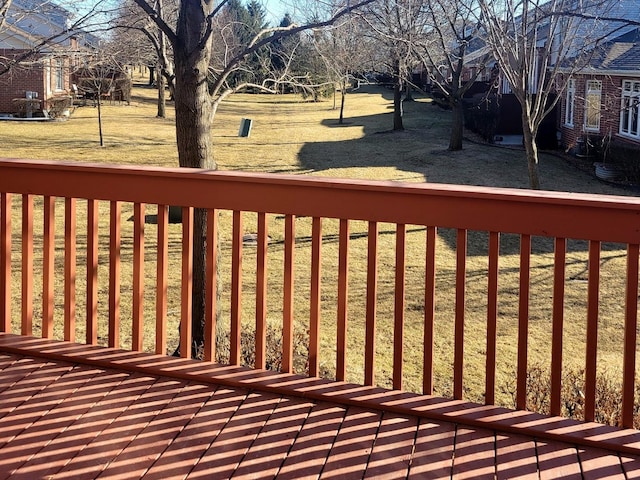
397,106
531,149
457,126
162,102
194,117
343,94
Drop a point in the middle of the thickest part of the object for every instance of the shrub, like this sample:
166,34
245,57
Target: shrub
608,395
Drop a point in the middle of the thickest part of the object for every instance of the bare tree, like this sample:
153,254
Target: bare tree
142,41
344,53
452,32
534,42
198,93
396,25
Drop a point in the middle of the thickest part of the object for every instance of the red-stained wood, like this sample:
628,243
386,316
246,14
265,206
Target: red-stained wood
314,314
261,292
162,275
474,454
230,446
350,452
92,273
236,288
398,324
557,324
492,317
186,290
516,458
75,421
343,296
595,464
70,269
211,294
372,300
592,332
429,311
288,286
5,262
27,265
523,322
137,323
630,336
307,456
461,279
199,433
275,439
434,450
557,460
48,262
393,449
114,274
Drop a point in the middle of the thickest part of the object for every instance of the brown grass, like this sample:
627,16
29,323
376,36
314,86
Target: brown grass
293,136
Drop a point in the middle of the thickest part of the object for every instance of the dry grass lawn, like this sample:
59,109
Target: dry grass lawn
297,137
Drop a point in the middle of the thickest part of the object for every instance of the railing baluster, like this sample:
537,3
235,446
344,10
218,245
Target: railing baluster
5,262
398,330
592,331
523,322
114,274
630,336
236,288
287,330
261,292
557,324
314,321
186,306
137,324
372,300
48,266
343,296
429,310
70,269
211,297
92,272
461,280
492,317
162,279
27,265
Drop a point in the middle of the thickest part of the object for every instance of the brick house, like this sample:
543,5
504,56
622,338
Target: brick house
38,53
602,101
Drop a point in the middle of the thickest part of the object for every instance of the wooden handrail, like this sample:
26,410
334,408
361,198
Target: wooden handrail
558,215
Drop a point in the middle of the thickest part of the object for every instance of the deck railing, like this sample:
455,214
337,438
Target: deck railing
342,263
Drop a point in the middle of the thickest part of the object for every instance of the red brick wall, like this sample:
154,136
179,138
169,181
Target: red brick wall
609,109
18,81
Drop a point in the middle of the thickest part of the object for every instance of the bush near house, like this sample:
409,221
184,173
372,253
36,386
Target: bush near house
624,155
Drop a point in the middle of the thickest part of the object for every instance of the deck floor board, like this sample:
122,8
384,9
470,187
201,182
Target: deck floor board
64,420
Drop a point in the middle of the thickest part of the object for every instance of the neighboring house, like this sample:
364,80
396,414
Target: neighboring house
38,53
602,101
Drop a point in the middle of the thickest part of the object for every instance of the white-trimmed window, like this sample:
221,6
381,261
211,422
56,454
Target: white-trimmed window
570,103
59,76
592,106
630,109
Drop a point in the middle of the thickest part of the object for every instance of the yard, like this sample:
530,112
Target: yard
296,137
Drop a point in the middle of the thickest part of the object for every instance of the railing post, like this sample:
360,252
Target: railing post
27,265
48,260
5,262
70,270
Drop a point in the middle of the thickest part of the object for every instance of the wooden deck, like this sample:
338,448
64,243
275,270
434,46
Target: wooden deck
73,420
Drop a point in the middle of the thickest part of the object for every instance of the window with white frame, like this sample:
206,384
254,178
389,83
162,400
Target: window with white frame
592,105
59,74
570,103
630,109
